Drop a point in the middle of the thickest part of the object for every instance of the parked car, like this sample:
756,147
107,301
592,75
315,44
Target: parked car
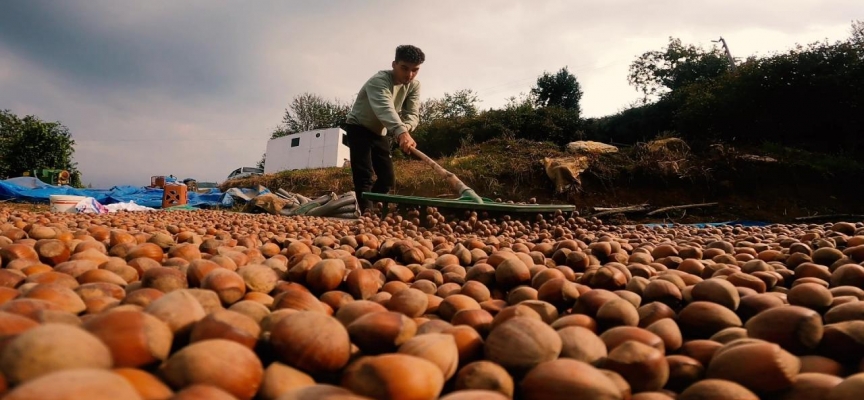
245,172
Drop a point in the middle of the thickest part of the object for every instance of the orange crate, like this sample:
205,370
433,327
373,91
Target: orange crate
174,195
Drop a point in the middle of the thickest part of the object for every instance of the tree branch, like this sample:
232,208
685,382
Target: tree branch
618,208
621,210
681,207
829,216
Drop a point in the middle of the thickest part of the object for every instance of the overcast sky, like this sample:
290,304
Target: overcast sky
194,88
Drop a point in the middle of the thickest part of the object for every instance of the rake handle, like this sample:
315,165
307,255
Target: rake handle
450,177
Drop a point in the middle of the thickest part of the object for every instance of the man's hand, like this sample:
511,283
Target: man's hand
406,142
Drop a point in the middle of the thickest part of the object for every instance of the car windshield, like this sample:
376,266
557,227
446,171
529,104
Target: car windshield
240,172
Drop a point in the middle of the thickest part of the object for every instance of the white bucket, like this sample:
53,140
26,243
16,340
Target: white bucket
64,203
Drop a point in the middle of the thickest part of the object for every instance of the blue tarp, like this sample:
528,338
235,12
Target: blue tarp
30,189
714,224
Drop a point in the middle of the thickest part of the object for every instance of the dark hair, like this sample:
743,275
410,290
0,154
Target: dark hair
410,54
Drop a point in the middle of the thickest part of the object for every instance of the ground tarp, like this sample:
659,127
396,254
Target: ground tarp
713,224
32,190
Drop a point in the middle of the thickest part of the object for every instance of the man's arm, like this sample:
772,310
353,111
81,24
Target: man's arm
381,100
411,109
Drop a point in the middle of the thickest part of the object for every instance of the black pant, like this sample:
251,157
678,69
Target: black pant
370,153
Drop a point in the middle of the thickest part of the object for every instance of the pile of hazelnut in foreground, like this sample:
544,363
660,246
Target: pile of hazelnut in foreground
219,305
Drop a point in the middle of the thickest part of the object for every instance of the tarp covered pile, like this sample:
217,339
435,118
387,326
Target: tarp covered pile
328,205
131,198
32,190
285,203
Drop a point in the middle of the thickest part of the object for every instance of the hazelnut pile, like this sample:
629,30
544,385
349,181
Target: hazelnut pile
222,305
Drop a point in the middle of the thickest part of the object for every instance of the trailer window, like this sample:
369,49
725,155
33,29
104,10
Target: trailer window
345,140
295,142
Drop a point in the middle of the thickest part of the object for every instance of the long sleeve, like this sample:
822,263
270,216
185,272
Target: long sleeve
386,108
381,100
411,108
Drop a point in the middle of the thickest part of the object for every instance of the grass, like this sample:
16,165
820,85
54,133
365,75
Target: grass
502,166
309,182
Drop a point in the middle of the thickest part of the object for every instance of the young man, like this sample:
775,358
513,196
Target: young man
388,106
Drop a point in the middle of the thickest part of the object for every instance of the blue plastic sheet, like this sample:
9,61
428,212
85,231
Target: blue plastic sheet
32,190
713,224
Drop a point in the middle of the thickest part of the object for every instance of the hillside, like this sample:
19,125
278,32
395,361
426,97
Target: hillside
770,184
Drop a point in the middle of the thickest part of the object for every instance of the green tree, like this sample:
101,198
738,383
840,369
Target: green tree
462,103
309,112
522,102
807,97
431,110
29,143
436,114
660,71
558,90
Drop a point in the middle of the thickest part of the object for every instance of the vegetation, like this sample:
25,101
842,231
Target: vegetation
658,72
561,90
550,113
461,104
808,97
30,143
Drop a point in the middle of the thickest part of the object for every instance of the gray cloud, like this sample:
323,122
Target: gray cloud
194,88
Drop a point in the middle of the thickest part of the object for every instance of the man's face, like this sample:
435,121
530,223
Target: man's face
405,72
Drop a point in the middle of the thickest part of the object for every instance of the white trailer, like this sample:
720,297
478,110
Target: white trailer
319,148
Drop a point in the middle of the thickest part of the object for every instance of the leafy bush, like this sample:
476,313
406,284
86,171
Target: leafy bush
810,97
633,125
554,124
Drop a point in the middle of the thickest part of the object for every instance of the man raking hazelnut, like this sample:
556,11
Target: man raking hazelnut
387,106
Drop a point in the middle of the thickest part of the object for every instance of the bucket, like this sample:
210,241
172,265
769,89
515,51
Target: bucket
64,203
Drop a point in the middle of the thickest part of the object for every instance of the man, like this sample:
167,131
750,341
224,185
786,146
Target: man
388,106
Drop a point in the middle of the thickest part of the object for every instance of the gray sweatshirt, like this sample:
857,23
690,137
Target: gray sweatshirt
383,107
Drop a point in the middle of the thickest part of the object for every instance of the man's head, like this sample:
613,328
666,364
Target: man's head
406,65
